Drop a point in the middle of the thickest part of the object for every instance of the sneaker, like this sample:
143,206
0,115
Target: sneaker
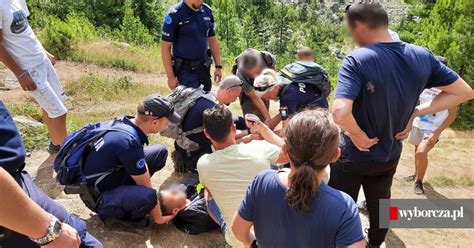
53,149
419,190
409,178
139,224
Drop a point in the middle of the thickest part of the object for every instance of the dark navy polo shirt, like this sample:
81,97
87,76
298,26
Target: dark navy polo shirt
189,30
118,149
333,219
296,96
385,80
12,151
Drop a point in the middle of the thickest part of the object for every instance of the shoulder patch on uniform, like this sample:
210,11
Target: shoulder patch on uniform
168,19
141,164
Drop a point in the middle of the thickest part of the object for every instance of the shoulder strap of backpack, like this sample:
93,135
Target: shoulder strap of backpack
117,126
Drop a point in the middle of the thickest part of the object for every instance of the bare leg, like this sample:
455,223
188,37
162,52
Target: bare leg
421,157
56,127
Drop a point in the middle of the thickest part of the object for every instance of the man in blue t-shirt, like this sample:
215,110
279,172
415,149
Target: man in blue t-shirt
126,195
188,41
228,91
376,94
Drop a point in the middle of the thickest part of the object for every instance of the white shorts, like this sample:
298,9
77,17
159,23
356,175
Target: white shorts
49,93
417,135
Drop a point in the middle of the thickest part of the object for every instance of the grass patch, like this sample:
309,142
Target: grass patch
444,181
119,55
99,89
26,109
34,138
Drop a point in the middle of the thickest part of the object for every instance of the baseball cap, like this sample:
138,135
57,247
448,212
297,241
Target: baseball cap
267,79
230,82
158,106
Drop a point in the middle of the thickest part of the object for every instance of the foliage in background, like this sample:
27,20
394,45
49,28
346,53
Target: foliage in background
446,27
68,26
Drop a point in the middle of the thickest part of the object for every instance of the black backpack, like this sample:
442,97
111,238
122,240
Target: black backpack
306,72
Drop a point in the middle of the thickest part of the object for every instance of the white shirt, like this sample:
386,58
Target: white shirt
227,173
18,38
430,122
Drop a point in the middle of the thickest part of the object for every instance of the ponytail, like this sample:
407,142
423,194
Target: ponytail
312,140
303,188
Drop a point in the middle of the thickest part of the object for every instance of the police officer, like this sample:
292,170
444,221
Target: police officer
12,159
293,96
188,41
126,195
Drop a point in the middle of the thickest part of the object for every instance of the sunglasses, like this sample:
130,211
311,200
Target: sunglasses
235,86
263,88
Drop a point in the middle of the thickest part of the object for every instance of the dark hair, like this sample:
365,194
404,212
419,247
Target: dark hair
371,14
312,139
218,122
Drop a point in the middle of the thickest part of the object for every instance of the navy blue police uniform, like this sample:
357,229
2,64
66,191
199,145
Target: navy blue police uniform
194,119
189,31
119,196
12,159
297,96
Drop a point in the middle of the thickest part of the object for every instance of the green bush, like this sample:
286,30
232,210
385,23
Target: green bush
60,37
133,31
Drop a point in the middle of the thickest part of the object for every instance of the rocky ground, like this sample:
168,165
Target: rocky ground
451,159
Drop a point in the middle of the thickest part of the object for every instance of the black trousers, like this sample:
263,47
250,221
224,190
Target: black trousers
376,180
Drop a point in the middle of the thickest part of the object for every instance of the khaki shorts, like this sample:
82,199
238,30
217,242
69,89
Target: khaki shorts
49,93
417,135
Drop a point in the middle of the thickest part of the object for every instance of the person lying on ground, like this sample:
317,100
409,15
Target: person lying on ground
425,134
118,168
293,95
249,64
294,208
190,142
186,201
227,171
28,217
377,91
23,54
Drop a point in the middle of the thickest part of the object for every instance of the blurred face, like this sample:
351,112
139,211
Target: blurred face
271,93
254,72
173,199
306,57
360,33
195,4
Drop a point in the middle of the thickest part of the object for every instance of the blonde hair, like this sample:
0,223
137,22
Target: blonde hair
268,77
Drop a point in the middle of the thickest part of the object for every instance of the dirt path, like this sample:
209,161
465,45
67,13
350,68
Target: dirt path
451,158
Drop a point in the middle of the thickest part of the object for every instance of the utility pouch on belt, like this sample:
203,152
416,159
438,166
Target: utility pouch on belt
177,65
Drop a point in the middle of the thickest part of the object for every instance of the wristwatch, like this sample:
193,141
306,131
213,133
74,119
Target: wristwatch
218,66
54,229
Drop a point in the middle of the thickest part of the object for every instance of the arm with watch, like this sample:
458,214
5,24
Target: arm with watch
216,55
23,76
21,214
